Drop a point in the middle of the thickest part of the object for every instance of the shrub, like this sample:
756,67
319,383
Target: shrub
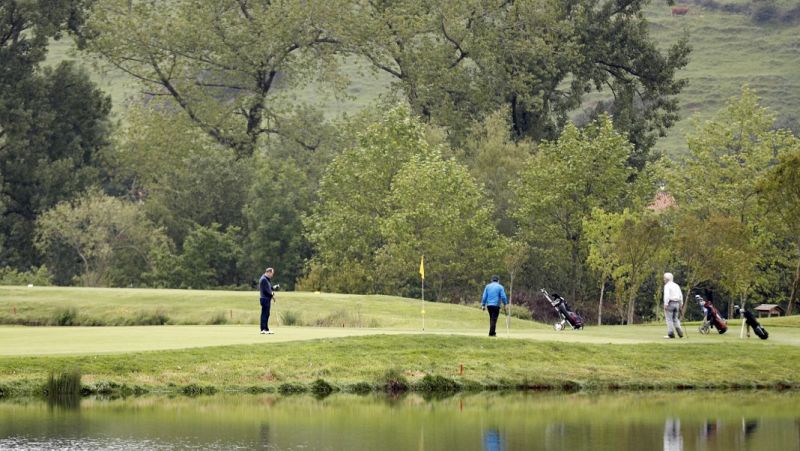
521,312
291,318
321,388
360,388
344,318
393,382
36,276
65,316
68,383
218,318
289,388
437,384
157,317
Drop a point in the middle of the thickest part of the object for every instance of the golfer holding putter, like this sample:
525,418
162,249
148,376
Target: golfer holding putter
493,295
267,295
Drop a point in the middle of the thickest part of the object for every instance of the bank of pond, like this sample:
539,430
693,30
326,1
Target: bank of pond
635,420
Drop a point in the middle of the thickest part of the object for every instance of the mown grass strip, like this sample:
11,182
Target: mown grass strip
424,363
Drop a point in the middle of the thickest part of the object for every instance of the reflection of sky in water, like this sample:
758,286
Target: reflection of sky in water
480,422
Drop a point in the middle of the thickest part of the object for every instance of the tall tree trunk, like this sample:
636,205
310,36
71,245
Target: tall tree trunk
631,308
600,305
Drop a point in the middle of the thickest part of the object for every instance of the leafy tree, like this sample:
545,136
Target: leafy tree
229,65
559,187
108,239
779,191
183,177
437,210
494,160
695,244
53,122
727,156
279,196
456,61
344,227
210,257
631,244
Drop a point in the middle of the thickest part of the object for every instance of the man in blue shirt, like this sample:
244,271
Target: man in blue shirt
493,295
265,289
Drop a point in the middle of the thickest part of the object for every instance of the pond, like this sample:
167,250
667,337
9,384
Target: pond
485,421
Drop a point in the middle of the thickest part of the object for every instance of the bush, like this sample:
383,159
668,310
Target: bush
393,382
68,383
218,318
437,384
344,318
36,276
149,318
321,388
360,388
521,312
291,318
290,389
65,316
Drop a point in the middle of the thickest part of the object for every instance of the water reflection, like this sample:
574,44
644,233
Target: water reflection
492,440
480,422
673,441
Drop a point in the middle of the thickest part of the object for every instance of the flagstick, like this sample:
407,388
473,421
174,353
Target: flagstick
423,305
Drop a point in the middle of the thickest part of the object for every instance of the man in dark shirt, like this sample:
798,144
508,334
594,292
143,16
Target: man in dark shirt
265,288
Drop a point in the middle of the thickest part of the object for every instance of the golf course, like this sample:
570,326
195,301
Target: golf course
208,342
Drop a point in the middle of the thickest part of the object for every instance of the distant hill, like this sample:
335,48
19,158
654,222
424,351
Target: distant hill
734,42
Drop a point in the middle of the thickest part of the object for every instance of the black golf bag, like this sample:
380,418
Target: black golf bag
752,322
567,316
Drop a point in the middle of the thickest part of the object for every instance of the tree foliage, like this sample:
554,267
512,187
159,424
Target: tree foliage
437,210
457,61
631,245
718,180
558,188
102,240
779,191
227,64
344,227
53,122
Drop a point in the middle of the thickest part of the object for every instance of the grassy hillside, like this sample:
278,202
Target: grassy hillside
354,357
112,307
729,50
370,362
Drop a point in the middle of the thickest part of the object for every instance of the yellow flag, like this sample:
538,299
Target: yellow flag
422,267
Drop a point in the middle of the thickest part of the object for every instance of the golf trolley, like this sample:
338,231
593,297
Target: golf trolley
567,316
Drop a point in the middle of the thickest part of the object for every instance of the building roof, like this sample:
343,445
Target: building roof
768,307
662,201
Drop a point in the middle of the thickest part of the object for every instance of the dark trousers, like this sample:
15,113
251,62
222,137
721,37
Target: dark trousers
265,304
494,312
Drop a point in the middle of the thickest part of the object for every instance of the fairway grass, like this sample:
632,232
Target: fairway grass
426,362
451,354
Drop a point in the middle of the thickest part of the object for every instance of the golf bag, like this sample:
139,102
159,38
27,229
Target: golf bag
712,319
752,322
567,316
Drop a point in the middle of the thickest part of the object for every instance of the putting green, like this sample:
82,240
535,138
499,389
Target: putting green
22,341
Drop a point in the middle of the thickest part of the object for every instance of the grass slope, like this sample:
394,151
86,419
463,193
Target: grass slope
236,357
373,360
113,306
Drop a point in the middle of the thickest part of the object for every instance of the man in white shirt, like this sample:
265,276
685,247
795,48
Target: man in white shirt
673,298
